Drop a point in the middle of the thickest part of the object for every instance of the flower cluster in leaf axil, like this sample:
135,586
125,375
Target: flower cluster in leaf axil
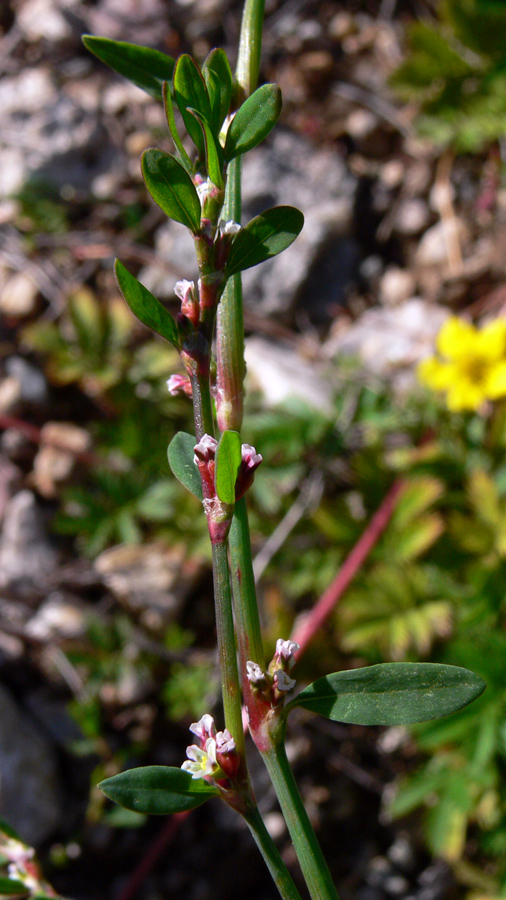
276,681
471,364
205,456
215,756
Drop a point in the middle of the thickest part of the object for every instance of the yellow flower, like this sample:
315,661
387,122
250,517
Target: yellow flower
471,365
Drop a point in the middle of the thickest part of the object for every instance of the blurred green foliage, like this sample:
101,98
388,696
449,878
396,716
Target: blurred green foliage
455,70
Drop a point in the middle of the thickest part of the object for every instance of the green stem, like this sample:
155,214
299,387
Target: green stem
226,647
307,848
243,586
250,46
280,874
230,326
202,408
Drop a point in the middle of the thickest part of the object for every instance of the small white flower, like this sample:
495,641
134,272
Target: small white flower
254,672
228,227
224,742
285,651
204,728
182,288
203,189
283,681
201,762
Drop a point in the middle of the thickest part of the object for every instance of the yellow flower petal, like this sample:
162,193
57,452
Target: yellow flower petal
463,394
491,340
456,339
496,381
436,374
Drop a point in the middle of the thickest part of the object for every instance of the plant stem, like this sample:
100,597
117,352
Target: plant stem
250,46
226,647
243,587
281,877
202,409
307,848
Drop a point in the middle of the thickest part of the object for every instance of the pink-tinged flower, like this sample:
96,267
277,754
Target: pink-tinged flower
201,761
224,742
283,681
204,728
226,753
250,461
205,450
254,673
185,291
179,384
285,652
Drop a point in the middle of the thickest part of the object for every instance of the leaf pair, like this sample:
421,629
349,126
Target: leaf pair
228,460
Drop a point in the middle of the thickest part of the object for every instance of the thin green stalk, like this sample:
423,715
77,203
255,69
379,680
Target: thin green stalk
250,46
226,647
243,586
307,848
280,874
202,408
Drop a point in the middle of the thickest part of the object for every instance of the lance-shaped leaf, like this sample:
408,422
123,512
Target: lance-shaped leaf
147,68
171,187
12,886
181,461
213,151
253,120
171,122
265,236
219,81
145,305
191,93
157,790
391,693
228,460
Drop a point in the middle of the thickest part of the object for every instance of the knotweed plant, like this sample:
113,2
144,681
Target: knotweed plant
198,186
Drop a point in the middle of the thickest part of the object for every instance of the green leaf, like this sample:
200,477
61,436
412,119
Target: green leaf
147,68
157,790
171,122
253,120
145,306
219,81
181,453
12,886
214,153
391,693
191,93
228,460
264,237
171,188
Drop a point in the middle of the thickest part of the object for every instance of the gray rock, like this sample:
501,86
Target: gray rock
389,342
280,373
26,556
33,385
48,133
30,798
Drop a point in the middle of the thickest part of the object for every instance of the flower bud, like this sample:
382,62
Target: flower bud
179,384
250,461
255,673
226,754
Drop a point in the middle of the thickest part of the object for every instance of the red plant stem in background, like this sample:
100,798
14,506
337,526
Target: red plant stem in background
153,854
313,621
34,434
